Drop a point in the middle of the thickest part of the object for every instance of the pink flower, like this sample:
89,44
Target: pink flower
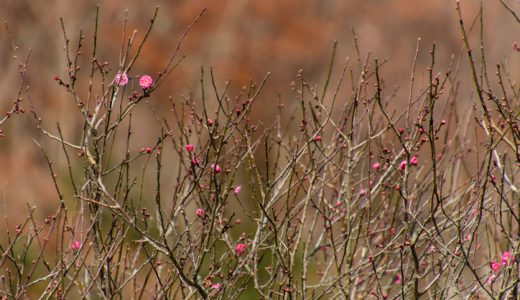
200,212
317,138
414,161
190,148
240,249
402,165
216,168
216,286
237,189
145,82
195,161
362,192
495,266
376,166
505,258
398,278
75,245
121,79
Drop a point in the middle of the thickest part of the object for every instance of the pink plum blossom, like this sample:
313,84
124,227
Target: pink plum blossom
376,166
506,258
414,161
121,79
240,249
495,266
200,212
217,168
190,148
195,161
145,81
237,189
75,245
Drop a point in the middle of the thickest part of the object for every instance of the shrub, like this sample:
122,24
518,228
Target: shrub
338,197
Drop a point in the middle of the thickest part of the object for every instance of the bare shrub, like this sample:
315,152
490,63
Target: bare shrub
340,197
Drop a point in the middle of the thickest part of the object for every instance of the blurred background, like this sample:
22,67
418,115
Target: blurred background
241,40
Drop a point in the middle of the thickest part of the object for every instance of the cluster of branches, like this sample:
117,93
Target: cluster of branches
341,196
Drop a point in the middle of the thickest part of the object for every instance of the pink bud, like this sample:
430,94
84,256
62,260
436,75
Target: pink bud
75,245
402,165
240,249
237,189
317,138
495,266
414,161
376,166
216,168
362,192
195,161
200,212
505,258
190,148
398,278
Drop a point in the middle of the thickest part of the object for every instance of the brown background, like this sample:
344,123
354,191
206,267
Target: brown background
240,39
